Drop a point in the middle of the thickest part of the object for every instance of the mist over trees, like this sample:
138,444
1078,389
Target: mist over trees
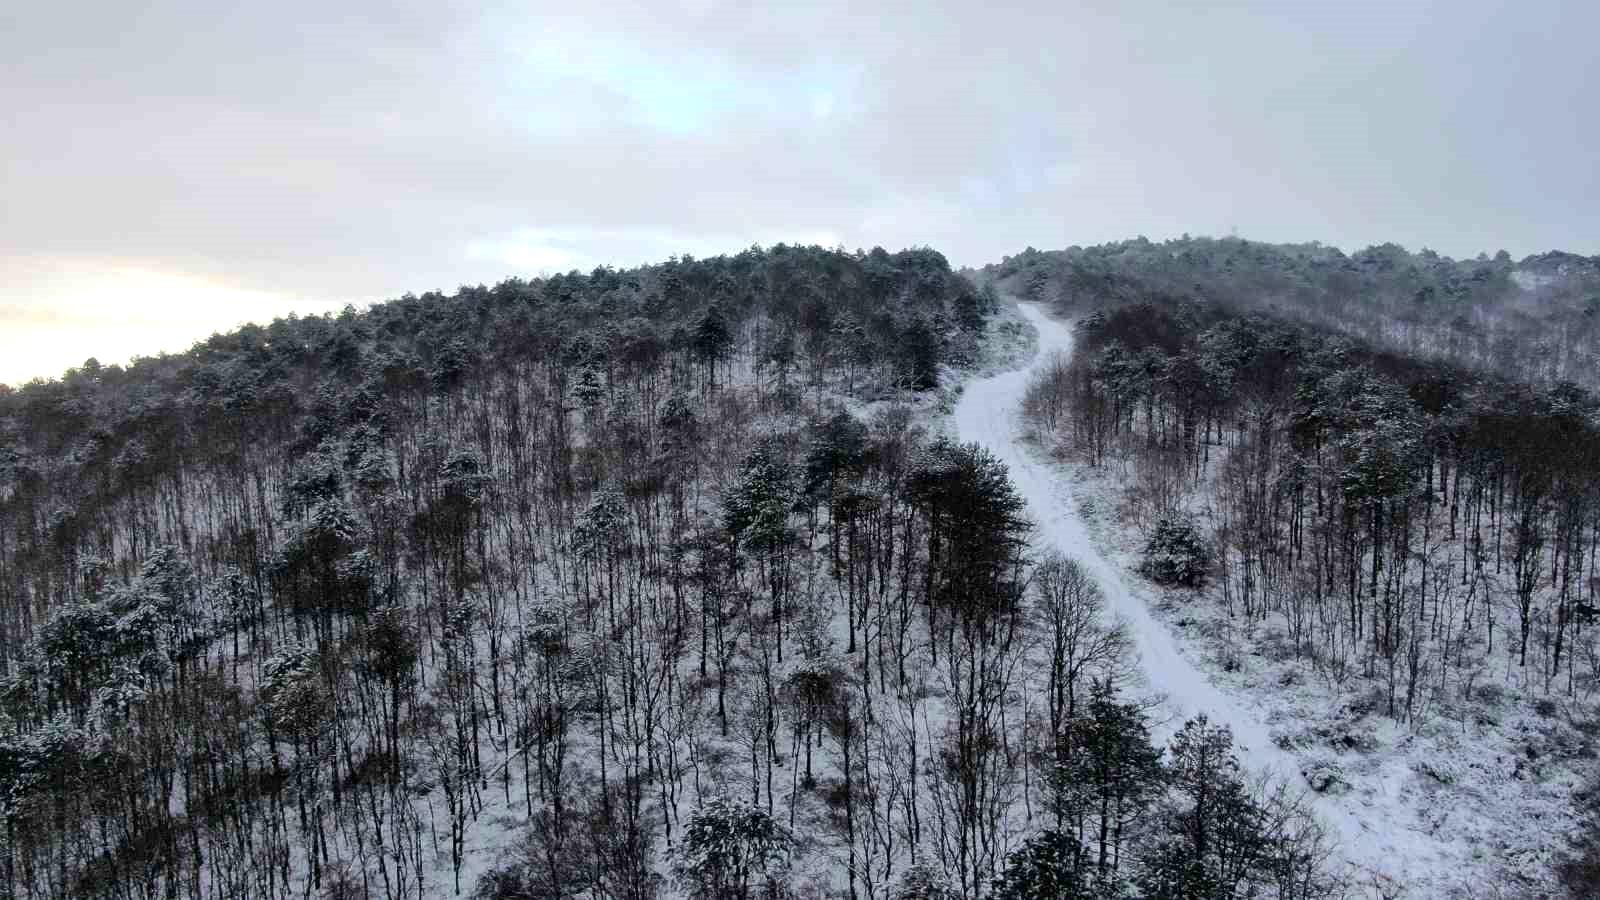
1536,320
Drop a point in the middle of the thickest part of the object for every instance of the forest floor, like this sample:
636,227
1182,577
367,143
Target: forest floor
1466,800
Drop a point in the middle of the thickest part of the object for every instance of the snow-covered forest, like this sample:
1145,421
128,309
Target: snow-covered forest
678,582
1536,320
1386,536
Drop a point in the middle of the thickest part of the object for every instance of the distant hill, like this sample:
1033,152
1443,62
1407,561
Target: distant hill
1537,320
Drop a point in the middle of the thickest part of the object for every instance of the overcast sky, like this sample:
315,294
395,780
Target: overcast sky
168,169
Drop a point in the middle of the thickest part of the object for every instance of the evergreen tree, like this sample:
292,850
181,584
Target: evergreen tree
1048,866
1106,781
731,851
1214,843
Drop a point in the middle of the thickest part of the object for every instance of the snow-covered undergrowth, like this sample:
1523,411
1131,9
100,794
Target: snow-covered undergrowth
1471,796
808,781
747,603
1010,342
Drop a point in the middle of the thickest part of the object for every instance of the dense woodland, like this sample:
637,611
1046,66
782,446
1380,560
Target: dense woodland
653,583
1427,528
1534,321
663,582
1380,504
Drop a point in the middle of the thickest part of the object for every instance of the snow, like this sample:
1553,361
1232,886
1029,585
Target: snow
1427,809
1531,281
1366,824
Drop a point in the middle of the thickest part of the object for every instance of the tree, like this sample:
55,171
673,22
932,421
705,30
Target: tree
392,651
919,354
320,569
976,530
713,339
921,881
974,591
1048,866
1176,554
756,517
1214,842
1106,780
1071,607
731,851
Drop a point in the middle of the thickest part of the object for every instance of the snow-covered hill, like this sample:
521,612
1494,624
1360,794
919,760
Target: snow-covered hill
1373,821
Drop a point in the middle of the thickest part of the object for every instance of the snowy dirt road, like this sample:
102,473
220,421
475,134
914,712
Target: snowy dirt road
1369,835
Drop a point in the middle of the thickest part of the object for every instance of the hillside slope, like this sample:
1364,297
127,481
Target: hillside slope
1370,823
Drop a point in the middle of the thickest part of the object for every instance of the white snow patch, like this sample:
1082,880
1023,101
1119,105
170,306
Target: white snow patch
1531,281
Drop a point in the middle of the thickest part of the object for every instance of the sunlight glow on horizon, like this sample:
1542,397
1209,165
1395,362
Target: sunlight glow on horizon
60,313
57,313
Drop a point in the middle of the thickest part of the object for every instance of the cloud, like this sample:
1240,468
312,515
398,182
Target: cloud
547,251
114,311
355,151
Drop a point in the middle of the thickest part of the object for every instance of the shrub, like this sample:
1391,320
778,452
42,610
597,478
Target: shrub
1048,866
729,849
922,882
1176,554
1578,869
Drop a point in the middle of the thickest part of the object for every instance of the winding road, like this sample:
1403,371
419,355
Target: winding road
987,413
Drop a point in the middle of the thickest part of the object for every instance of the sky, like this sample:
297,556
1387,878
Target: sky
171,169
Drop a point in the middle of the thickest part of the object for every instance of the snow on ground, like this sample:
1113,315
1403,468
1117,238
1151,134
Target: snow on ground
1444,808
1423,814
1531,281
1009,342
1482,781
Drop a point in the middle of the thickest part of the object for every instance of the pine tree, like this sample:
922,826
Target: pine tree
1108,775
1049,866
731,851
1214,842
